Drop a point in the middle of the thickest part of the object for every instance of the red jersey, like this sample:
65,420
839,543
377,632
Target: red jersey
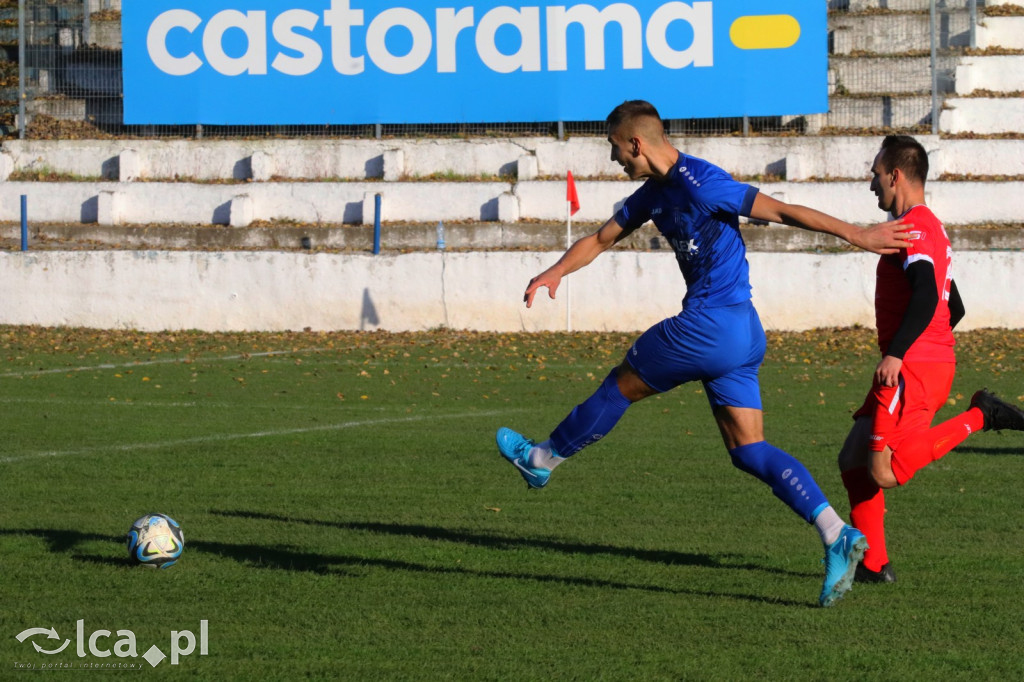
892,289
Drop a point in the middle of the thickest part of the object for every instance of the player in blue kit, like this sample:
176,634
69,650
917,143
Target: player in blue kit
717,338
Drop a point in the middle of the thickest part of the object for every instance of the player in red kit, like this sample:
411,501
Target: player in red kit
916,307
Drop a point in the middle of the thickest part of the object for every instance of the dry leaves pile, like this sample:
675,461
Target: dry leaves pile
991,350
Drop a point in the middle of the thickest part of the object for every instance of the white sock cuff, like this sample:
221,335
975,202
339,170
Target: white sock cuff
829,525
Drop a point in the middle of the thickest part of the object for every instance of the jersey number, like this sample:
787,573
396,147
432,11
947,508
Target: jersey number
949,273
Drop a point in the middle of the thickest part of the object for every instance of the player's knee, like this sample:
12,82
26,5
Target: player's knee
629,383
881,470
751,458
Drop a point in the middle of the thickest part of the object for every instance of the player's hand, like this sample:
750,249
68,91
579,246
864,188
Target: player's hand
888,371
884,238
548,279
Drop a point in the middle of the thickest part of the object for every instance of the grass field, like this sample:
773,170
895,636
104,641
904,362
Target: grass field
347,516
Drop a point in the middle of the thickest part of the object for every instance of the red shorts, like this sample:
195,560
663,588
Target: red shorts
909,407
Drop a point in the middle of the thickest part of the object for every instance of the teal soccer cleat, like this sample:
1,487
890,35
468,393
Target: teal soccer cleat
841,559
516,449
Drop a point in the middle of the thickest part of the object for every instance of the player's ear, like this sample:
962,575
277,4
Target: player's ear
635,141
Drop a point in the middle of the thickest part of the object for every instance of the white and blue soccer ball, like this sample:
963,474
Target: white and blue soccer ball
155,540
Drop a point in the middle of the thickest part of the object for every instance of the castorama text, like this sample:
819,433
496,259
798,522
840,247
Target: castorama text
357,61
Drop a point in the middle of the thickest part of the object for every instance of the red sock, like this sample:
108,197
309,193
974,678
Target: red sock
921,449
867,514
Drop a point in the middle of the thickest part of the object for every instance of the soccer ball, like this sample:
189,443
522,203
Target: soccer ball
155,540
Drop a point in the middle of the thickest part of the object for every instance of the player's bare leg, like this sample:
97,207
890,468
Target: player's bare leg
742,430
867,499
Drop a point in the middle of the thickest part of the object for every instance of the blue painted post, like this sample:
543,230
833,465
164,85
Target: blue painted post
376,225
24,222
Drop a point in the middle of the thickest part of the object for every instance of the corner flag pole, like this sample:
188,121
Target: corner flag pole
572,204
568,243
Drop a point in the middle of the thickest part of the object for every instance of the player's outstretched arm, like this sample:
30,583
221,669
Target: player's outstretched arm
579,255
888,237
924,299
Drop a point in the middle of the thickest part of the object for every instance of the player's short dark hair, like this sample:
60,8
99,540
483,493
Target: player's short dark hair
629,111
907,154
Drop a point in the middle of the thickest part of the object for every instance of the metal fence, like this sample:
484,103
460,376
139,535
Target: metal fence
891,64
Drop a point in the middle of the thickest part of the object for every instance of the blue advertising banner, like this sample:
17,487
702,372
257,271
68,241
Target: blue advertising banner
308,62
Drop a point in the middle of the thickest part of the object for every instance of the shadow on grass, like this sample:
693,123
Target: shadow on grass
67,542
666,557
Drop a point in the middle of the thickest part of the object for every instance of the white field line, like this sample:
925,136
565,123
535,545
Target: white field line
98,403
147,363
126,402
135,447
448,364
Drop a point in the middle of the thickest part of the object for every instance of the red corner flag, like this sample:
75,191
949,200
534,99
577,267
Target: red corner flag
571,196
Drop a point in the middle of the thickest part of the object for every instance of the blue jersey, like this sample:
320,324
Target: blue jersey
696,207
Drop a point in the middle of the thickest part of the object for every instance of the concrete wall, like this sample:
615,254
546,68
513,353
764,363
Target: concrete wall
272,291
240,205
958,203
794,158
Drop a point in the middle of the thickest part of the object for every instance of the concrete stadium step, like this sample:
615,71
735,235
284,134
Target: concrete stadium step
891,33
102,5
792,158
874,112
10,93
153,203
1001,115
62,109
883,75
904,5
104,33
45,24
1005,32
959,203
536,236
9,34
1003,73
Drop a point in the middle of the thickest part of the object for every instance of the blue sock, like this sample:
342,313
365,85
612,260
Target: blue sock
591,420
788,478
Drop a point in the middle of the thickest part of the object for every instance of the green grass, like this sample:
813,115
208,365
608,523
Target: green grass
346,514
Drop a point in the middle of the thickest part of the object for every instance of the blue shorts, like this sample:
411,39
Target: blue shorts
721,346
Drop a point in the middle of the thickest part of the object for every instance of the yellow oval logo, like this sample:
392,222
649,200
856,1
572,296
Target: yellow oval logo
765,32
